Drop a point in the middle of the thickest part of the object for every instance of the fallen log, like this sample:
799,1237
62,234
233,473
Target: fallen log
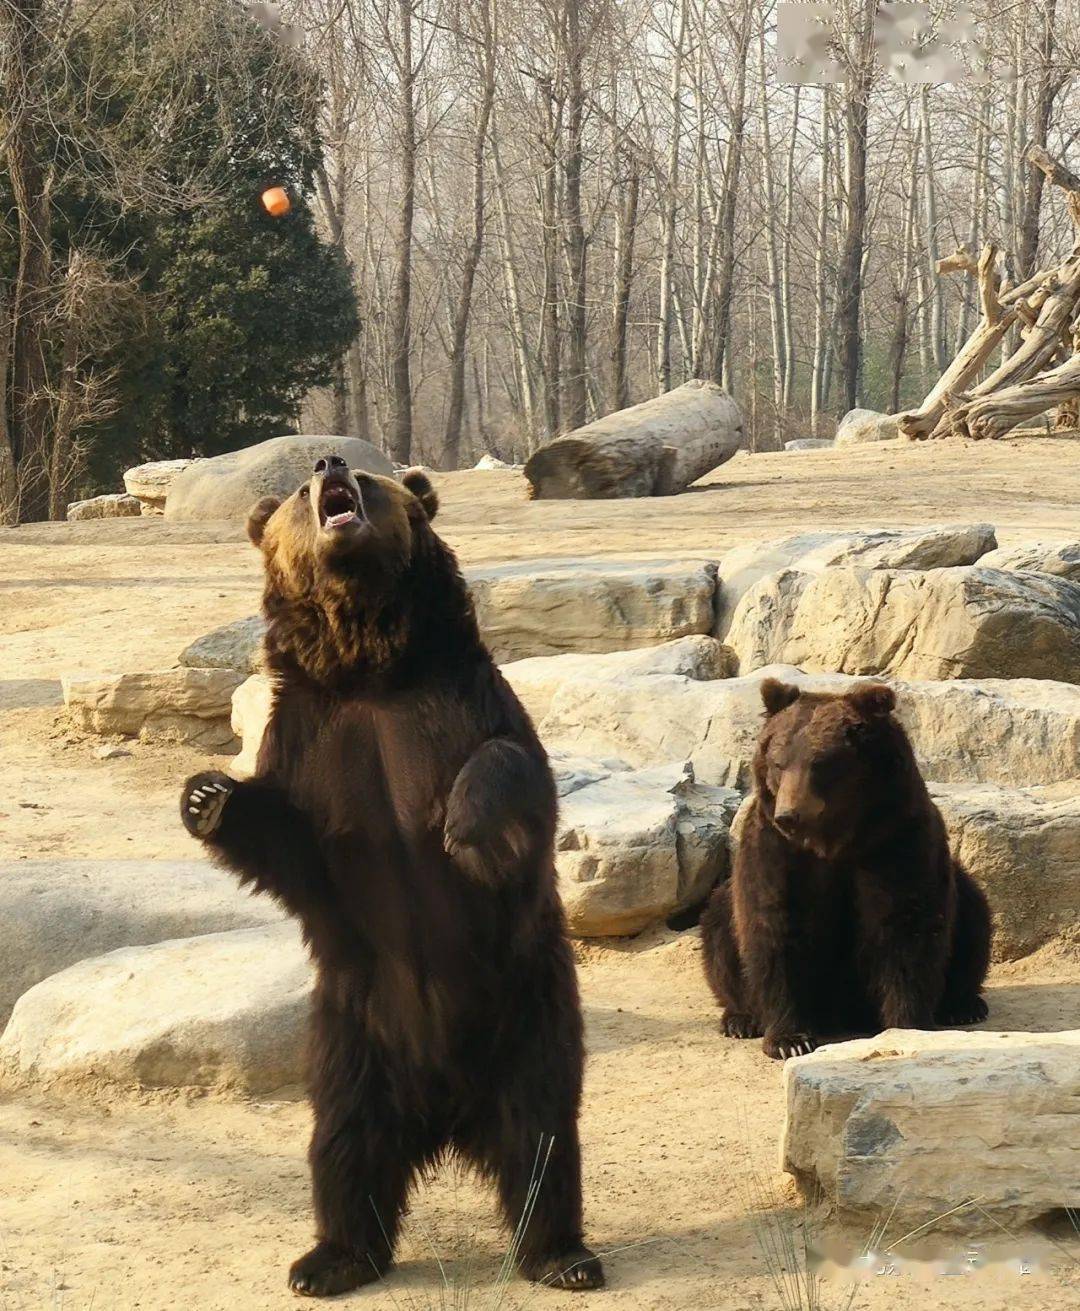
1006,408
657,448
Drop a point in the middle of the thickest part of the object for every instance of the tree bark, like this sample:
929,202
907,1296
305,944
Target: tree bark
25,25
656,448
399,443
1049,84
549,314
670,212
577,360
451,452
624,274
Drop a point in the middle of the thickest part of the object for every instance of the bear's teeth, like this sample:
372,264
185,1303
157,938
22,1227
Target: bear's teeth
337,520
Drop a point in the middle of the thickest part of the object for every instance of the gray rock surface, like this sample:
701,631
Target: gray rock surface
184,705
227,486
56,912
908,1126
1059,558
114,505
860,426
223,1010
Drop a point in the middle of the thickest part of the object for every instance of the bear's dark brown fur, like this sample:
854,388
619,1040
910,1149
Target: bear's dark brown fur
845,912
404,811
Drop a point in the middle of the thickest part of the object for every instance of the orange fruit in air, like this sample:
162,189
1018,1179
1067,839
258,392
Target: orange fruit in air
276,201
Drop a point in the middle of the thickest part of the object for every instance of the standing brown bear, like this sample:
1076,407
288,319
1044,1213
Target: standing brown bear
845,912
404,811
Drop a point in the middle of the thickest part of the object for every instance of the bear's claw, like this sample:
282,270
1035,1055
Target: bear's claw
972,1011
738,1024
577,1271
782,1046
203,802
328,1270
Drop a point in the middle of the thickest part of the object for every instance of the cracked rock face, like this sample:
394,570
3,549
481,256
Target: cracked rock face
635,845
966,622
1059,558
911,1125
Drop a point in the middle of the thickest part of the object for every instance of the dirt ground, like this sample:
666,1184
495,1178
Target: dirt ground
158,1202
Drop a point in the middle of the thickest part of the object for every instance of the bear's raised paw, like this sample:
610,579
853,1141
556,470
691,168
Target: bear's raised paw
203,802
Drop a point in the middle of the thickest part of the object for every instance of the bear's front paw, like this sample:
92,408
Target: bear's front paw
739,1024
202,802
782,1045
973,1010
328,1270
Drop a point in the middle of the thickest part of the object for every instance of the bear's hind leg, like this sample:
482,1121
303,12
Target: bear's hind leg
363,1158
723,968
524,1135
962,1001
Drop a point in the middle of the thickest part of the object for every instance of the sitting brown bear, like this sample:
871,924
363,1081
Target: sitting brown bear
404,811
845,912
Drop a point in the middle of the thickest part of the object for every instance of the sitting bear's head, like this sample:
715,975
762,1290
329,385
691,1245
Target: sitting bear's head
357,582
826,763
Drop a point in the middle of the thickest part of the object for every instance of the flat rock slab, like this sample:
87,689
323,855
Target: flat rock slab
634,846
115,505
227,486
237,646
1059,558
150,483
858,427
223,1010
185,705
966,622
908,1125
937,546
545,607
963,731
56,912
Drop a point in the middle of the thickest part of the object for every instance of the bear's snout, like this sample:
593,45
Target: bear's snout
329,462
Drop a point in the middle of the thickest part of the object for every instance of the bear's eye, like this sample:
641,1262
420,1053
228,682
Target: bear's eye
305,492
828,769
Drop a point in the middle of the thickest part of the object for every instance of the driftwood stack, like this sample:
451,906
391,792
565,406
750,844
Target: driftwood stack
1043,372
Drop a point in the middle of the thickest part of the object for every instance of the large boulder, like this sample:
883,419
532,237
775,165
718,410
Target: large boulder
1059,558
809,444
911,1126
697,657
56,912
934,547
535,680
635,845
858,427
656,448
235,646
184,705
544,607
1023,847
115,505
150,483
227,486
967,622
223,1010
991,731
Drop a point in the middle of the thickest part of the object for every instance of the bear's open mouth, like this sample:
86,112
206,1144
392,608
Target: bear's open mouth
338,506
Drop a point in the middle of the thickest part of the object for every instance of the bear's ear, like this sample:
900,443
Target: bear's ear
777,696
873,700
417,481
258,517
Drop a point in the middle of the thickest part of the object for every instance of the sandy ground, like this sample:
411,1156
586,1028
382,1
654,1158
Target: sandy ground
160,1202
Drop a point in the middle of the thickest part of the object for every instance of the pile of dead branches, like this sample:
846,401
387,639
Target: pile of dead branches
1042,372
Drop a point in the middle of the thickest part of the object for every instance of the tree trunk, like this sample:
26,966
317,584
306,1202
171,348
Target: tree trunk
624,273
727,208
1049,84
849,273
549,322
451,452
577,360
9,496
670,212
25,25
656,448
518,332
399,443
817,373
